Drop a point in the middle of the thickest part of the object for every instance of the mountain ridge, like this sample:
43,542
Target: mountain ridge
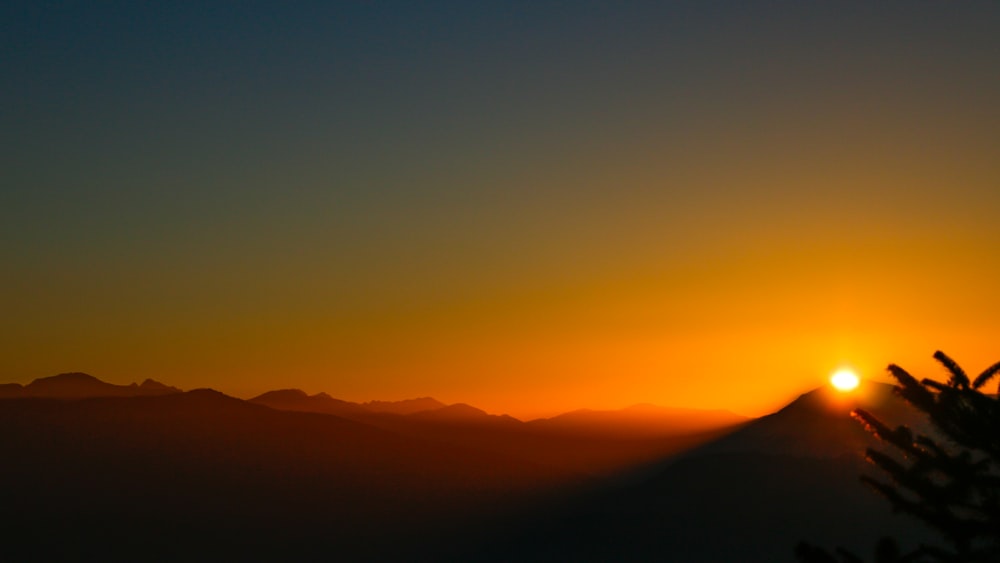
78,385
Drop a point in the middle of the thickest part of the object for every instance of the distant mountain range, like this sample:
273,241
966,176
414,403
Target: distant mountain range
637,419
584,441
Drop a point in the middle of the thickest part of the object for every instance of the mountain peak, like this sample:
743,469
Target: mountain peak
153,385
9,390
68,377
74,385
818,423
869,395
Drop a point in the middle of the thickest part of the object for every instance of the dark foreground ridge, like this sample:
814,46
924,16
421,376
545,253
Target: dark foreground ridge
102,472
203,476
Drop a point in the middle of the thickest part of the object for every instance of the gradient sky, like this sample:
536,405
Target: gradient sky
529,207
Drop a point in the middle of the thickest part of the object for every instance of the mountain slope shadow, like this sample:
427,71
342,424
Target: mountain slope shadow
748,497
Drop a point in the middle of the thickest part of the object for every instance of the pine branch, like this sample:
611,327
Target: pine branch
886,463
871,423
958,376
951,483
987,374
911,390
901,436
936,385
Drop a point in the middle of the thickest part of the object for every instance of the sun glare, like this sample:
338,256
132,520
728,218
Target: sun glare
845,380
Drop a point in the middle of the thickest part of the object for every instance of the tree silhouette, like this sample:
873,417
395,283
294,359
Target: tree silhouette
950,481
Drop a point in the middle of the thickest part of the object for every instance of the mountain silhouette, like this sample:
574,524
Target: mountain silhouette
818,424
748,496
80,386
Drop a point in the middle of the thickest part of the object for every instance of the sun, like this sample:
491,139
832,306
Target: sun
845,380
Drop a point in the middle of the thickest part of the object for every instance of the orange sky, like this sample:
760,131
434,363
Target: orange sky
523,209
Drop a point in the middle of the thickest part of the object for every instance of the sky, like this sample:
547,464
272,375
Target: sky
526,206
